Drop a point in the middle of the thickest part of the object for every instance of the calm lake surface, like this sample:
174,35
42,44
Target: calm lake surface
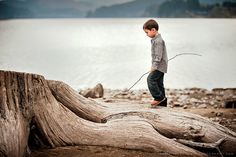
116,52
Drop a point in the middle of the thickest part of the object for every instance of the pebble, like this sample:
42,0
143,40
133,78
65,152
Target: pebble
132,97
209,93
176,104
202,106
218,114
144,93
217,119
126,96
185,107
212,103
212,119
119,96
108,100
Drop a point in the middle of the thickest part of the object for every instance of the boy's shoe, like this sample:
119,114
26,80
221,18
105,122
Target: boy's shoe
163,103
155,103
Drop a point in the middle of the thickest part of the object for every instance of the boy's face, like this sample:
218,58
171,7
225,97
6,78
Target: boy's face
151,33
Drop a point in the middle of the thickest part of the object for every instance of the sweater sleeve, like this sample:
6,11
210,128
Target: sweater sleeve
157,52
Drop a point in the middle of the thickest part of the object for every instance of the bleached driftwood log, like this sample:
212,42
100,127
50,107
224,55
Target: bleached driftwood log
63,117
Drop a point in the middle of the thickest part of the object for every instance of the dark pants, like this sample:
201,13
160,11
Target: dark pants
155,85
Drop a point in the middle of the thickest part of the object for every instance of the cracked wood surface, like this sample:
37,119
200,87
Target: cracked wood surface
63,117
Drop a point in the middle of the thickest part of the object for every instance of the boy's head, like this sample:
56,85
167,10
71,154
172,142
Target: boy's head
151,28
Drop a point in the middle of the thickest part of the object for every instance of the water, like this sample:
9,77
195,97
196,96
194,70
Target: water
116,52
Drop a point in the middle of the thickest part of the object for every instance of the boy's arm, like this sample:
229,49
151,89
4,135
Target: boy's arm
157,53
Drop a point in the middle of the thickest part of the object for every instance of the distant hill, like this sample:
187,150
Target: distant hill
51,8
168,8
214,1
43,8
115,8
193,8
135,8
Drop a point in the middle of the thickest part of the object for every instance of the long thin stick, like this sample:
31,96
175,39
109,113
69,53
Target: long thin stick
168,61
184,54
138,80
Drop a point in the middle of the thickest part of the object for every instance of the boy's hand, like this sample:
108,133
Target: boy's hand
152,69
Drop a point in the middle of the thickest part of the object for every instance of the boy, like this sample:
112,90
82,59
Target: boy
159,64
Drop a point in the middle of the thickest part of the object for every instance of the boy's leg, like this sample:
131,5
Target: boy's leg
162,88
161,85
152,80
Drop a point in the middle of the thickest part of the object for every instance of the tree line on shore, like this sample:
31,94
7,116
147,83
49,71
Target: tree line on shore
193,8
137,8
168,9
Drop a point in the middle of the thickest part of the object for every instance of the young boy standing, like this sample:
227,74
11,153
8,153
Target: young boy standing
159,64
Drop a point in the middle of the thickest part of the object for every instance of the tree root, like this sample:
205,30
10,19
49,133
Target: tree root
214,145
63,118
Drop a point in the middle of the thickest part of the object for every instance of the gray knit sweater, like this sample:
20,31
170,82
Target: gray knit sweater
159,54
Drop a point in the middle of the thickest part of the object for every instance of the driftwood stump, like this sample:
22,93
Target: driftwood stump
96,92
31,106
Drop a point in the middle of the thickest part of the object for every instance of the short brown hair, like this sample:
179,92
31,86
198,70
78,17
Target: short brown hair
151,24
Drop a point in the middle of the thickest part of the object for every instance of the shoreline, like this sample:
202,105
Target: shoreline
216,98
